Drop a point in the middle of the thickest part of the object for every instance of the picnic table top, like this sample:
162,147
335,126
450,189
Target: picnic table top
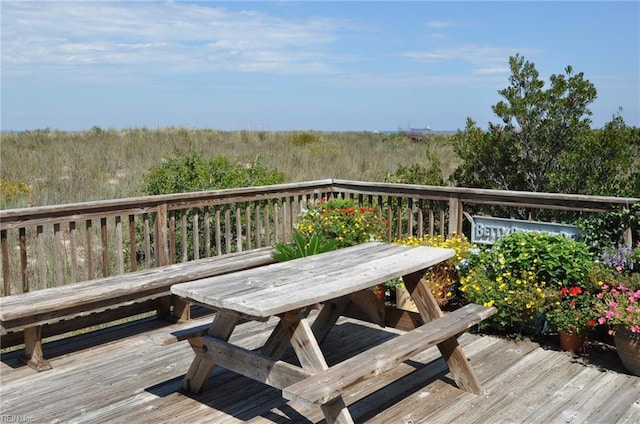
281,287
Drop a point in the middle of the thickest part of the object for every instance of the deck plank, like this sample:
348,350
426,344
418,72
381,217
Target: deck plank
106,378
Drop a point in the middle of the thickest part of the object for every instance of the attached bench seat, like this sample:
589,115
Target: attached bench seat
30,311
329,385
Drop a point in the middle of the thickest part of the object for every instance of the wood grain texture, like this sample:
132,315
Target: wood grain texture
57,303
327,385
285,286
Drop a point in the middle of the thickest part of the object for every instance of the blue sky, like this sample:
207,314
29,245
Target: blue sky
284,65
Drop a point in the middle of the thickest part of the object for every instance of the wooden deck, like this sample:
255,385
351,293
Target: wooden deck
123,375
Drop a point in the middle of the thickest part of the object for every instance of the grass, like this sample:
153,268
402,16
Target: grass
67,167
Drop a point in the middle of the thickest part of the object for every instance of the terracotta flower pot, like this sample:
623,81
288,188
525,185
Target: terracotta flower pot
573,342
380,291
628,347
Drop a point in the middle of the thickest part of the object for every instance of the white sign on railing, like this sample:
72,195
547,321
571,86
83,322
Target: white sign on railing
488,230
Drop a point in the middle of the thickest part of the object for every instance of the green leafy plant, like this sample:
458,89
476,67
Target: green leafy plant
602,231
302,247
341,220
521,274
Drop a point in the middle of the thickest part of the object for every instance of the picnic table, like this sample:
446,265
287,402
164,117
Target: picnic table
332,280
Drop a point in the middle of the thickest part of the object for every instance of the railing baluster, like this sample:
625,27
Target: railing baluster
218,232
119,246
41,258
161,240
207,233
196,234
185,240
58,253
6,272
105,247
399,215
258,224
73,244
90,258
409,217
238,231
247,224
276,223
132,243
227,229
147,240
431,220
22,233
172,237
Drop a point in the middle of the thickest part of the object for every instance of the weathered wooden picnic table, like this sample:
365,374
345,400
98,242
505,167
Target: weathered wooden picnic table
290,290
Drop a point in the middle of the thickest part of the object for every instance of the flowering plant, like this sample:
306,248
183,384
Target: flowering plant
443,278
521,274
342,220
619,305
573,311
622,258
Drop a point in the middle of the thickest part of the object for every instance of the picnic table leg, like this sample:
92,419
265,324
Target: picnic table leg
278,340
457,361
307,349
200,369
33,355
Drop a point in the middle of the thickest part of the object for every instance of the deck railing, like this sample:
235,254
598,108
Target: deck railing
55,245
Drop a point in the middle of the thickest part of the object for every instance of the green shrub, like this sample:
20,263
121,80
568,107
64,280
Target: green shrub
194,173
304,138
418,174
522,274
342,220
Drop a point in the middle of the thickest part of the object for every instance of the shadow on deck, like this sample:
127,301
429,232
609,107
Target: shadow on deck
123,375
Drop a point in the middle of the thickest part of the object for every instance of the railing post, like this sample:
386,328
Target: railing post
455,215
162,255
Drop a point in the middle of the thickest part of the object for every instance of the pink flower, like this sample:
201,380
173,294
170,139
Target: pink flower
635,328
602,320
613,304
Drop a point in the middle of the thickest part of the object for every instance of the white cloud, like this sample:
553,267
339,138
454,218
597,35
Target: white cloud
440,24
484,59
68,36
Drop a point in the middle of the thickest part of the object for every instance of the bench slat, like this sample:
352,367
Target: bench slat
327,385
57,303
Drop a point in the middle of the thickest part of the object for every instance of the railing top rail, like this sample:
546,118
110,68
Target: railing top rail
148,203
76,211
488,196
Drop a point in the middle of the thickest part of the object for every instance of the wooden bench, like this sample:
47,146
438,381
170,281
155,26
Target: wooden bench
327,386
29,312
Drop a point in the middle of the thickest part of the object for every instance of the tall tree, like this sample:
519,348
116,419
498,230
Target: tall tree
540,137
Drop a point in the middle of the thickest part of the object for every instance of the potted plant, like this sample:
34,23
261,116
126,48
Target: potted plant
618,303
619,307
573,316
